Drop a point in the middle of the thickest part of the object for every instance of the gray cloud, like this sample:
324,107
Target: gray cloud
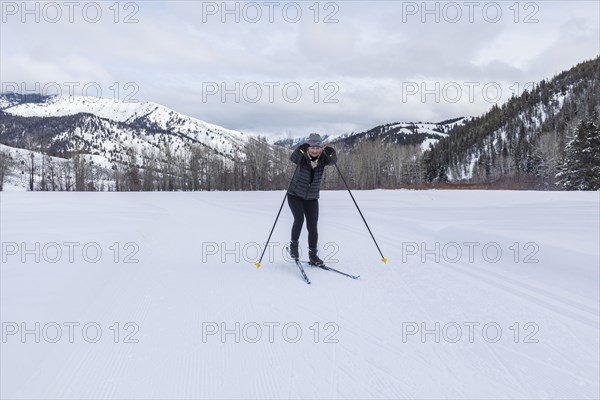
176,49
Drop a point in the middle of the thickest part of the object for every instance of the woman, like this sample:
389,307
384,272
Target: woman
303,194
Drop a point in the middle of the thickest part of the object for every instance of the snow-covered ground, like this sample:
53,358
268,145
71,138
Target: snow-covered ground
155,295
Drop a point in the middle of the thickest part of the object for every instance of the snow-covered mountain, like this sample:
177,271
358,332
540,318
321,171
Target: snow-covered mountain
103,124
422,133
12,99
167,146
410,133
115,129
522,140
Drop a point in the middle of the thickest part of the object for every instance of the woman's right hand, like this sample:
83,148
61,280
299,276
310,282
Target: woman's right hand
303,147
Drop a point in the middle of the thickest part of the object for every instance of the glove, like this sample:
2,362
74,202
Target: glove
303,148
329,151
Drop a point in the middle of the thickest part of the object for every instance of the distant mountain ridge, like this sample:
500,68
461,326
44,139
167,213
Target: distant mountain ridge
403,133
107,127
112,121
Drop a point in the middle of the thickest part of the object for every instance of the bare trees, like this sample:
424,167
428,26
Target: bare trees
132,176
29,145
168,166
257,163
149,170
6,163
373,163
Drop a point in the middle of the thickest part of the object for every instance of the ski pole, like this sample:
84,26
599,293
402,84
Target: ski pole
383,259
276,218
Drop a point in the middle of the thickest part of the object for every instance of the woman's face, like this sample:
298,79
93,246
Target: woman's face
314,151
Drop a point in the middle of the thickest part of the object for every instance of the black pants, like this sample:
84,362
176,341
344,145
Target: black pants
310,209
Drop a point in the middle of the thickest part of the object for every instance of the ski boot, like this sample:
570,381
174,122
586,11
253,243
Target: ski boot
294,250
313,258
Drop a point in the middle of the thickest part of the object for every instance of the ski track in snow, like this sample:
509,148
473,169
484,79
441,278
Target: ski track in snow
172,291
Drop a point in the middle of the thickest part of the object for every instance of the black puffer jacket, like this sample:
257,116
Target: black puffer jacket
302,186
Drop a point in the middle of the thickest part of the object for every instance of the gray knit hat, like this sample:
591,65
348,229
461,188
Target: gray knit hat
314,140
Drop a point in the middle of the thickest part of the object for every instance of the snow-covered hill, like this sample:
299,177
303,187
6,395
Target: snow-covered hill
133,119
113,128
413,133
485,295
12,99
523,139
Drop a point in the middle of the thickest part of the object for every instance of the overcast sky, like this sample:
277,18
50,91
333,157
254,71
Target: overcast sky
358,64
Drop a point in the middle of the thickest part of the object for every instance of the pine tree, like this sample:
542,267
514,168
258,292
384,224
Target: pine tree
580,167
